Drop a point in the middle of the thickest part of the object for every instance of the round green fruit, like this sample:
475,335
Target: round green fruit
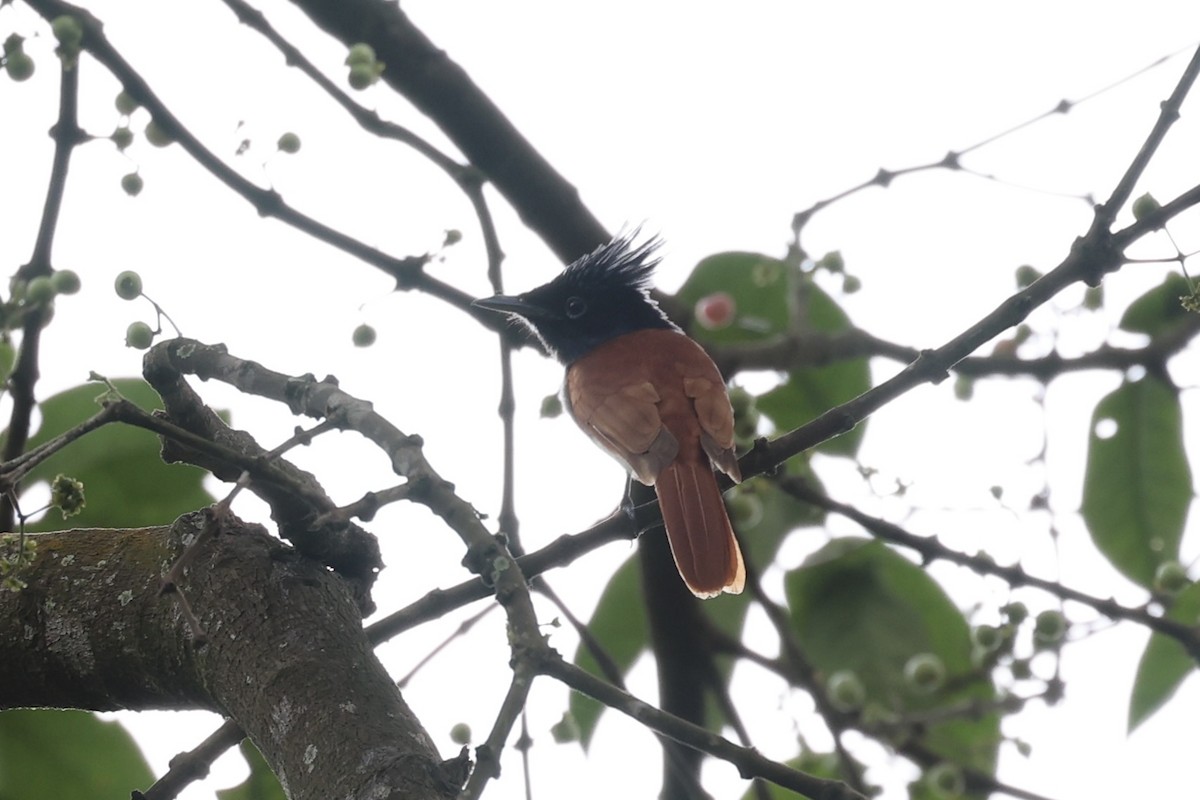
360,53
40,291
156,135
128,285
122,138
1050,627
945,781
289,143
833,261
132,184
68,31
125,103
846,690
66,281
139,336
925,673
1170,578
19,66
364,336
1016,612
362,76
1144,206
551,406
987,637
460,733
1026,275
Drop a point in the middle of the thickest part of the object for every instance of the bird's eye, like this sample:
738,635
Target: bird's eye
576,306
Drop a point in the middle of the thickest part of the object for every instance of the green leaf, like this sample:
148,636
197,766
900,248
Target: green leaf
125,480
759,286
1158,309
1137,485
619,625
261,784
769,296
61,754
858,605
619,620
1165,664
809,392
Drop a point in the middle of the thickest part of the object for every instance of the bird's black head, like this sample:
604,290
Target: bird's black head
599,297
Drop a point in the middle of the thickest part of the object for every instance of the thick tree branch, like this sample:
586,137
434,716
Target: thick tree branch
286,656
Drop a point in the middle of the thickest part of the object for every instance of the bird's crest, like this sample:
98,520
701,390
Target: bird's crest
618,262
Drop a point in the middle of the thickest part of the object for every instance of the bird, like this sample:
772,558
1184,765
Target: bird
647,394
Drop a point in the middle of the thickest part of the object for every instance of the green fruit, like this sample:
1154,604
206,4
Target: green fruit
833,261
1144,206
851,284
138,336
360,53
460,733
964,387
987,637
40,291
1016,612
132,184
128,285
1050,627
846,691
15,43
125,103
156,135
122,138
66,281
566,729
945,781
68,31
1026,275
453,237
364,336
1021,670
362,76
551,406
19,66
925,673
1170,578
289,143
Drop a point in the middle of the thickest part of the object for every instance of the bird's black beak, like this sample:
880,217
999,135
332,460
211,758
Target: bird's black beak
509,304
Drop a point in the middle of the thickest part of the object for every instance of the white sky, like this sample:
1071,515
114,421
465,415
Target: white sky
713,126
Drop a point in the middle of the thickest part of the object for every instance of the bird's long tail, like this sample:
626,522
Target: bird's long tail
702,541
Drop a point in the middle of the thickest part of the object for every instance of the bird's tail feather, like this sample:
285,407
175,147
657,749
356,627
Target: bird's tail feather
702,541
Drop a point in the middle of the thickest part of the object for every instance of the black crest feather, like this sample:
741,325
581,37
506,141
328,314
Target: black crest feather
616,262
600,296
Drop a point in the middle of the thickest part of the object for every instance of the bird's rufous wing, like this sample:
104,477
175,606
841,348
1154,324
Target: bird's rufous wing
711,403
624,419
